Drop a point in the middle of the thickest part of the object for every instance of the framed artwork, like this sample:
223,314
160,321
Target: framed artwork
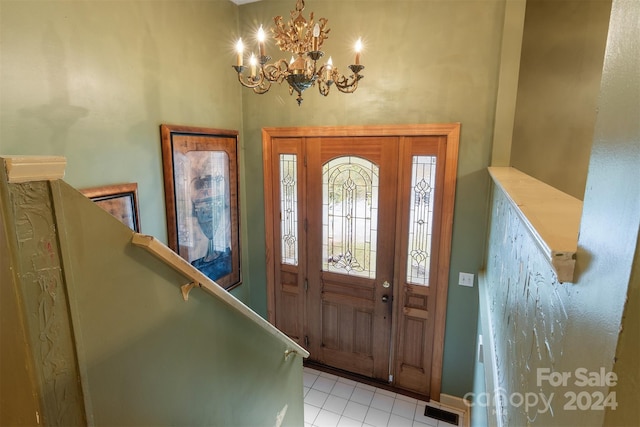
200,168
119,200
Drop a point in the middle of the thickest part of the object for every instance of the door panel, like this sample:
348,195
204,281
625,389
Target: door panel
347,324
290,304
351,211
290,254
421,189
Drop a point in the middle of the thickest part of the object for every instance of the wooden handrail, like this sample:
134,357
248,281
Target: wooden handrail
198,279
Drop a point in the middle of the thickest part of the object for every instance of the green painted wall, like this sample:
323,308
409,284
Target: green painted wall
613,188
93,81
169,362
426,62
627,356
562,53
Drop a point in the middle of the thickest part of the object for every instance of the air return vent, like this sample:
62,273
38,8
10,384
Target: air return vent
441,414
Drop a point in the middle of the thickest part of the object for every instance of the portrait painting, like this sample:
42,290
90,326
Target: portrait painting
201,195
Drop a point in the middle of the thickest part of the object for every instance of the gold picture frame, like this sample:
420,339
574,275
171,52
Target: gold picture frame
120,200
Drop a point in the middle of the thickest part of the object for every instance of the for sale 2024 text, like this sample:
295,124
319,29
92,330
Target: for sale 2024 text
594,400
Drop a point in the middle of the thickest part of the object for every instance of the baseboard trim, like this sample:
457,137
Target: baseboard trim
454,402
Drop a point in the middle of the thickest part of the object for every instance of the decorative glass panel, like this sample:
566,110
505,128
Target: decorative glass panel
289,208
423,181
350,216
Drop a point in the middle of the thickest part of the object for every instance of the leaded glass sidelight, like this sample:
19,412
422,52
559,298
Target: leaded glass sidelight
350,216
423,181
289,208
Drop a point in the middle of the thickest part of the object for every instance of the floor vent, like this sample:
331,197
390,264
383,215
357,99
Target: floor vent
441,414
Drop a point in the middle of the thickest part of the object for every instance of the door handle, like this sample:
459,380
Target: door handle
385,298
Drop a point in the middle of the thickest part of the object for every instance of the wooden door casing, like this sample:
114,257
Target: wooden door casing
419,312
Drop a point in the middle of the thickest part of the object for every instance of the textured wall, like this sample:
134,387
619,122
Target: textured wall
44,299
527,308
570,329
17,378
591,324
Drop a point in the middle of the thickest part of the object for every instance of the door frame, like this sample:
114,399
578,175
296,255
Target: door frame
451,133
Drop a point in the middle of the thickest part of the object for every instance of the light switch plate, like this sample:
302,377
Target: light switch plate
466,279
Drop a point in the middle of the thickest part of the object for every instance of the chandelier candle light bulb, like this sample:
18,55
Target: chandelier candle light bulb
328,67
316,34
261,40
303,39
239,50
358,50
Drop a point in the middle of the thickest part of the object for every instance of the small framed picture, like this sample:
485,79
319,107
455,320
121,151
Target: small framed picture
119,200
200,168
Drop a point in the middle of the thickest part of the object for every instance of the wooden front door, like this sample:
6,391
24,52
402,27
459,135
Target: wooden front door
351,210
358,224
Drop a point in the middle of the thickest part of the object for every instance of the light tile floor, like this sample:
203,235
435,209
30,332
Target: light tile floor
332,401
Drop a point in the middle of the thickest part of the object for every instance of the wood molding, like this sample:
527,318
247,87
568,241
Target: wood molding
444,257
34,168
354,131
551,216
269,234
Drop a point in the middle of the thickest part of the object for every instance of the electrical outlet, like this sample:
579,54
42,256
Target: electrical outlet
466,279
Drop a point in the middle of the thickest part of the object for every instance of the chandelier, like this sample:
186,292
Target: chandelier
304,40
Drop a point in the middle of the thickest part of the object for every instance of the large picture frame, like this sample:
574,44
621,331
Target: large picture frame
120,200
200,169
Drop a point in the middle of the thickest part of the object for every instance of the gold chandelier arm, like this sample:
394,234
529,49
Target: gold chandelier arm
277,71
325,80
324,87
346,84
259,84
249,82
263,87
